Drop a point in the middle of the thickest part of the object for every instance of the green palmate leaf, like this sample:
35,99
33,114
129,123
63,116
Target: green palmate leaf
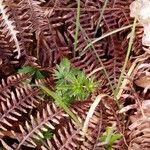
35,73
27,70
71,83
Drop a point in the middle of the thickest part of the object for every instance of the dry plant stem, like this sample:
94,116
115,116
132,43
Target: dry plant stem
81,9
94,71
126,81
103,67
91,112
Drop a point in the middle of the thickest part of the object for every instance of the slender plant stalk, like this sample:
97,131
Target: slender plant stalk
90,44
126,81
101,15
106,35
101,63
58,99
127,56
99,59
77,27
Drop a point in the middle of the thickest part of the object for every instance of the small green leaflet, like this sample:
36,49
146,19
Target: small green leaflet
37,74
109,137
27,70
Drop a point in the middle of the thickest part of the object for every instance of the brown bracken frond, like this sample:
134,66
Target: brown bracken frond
139,129
39,33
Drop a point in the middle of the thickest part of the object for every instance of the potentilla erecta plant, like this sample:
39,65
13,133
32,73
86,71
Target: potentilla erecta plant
141,10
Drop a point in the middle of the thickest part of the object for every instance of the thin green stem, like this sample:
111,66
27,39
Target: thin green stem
101,63
58,99
127,56
77,27
101,15
90,44
106,35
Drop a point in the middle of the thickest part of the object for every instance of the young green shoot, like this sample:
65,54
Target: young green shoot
109,137
71,85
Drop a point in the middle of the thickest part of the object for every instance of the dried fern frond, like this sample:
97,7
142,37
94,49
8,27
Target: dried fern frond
66,137
9,30
69,136
44,31
49,118
12,81
11,108
139,129
9,84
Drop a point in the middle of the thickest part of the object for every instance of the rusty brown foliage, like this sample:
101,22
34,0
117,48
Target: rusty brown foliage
45,30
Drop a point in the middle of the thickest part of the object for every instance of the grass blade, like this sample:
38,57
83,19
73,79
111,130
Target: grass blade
127,56
106,35
77,27
101,15
100,61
